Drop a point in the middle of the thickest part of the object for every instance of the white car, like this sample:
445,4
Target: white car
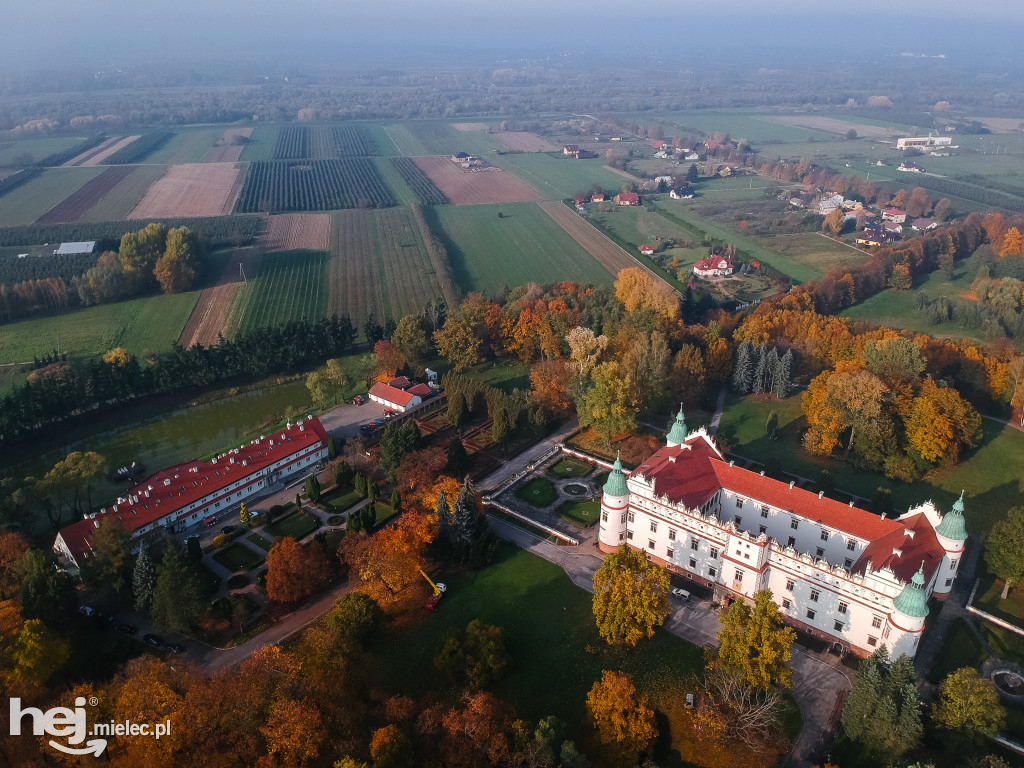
681,593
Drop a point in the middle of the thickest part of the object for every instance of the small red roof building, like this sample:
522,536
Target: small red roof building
393,397
402,382
421,390
646,250
627,198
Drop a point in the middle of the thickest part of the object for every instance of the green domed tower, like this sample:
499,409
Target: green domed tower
677,435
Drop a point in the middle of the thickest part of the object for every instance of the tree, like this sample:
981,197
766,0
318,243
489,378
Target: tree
13,547
312,488
882,711
743,368
630,597
144,580
1013,243
181,244
39,652
841,401
900,279
410,340
918,203
354,617
47,592
637,289
343,474
294,571
396,500
457,342
194,550
293,732
624,721
243,515
894,359
940,421
756,641
332,449
174,276
969,705
941,212
458,459
476,657
1004,549
607,406
389,561
692,175
390,748
783,381
834,221
396,442
117,356
741,711
176,596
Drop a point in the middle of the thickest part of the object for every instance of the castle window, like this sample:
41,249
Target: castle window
694,544
838,626
630,517
604,517
851,545
876,622
819,552
792,541
953,563
843,607
738,576
762,529
739,503
668,553
650,543
623,518
654,527
949,582
790,584
848,563
738,520
711,572
714,553
671,534
885,633
872,641
824,535
794,523
815,594
786,604
693,564
811,614
629,535
764,511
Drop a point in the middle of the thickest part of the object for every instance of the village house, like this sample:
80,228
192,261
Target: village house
183,496
908,166
597,198
681,193
852,578
646,250
394,398
892,227
713,266
875,235
894,214
923,225
627,198
828,203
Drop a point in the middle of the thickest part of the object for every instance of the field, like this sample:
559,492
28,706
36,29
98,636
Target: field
595,242
212,315
525,245
813,250
198,189
379,266
87,154
313,185
466,188
353,141
638,226
261,143
831,125
470,126
35,197
120,200
525,141
225,150
152,323
297,232
292,143
73,207
559,177
28,151
424,190
141,148
97,157
287,286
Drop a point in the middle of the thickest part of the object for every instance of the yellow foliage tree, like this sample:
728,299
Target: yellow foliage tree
637,289
1013,243
117,356
624,721
940,421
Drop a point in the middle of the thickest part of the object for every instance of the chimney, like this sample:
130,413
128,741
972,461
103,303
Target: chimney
851,503
762,473
820,494
791,484
732,462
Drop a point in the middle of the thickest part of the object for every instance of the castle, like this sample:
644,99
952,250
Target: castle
850,577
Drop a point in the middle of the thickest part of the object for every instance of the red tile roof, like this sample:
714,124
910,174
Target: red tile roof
402,382
894,212
715,262
629,197
921,547
176,487
420,389
390,394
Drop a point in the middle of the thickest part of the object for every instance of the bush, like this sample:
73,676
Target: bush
354,616
220,540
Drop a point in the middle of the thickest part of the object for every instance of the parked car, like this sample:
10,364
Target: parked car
227,529
366,427
172,648
210,521
128,629
154,640
86,610
681,593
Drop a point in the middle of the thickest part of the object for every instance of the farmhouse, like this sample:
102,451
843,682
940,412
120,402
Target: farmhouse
570,149
180,497
460,157
402,382
646,250
850,577
715,266
924,141
828,203
394,398
894,214
597,198
923,225
74,249
627,198
681,193
874,235
908,166
892,227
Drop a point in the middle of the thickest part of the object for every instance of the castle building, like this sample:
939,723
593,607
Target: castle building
843,574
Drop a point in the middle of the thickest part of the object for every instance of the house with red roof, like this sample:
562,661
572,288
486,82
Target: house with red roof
181,497
894,214
713,266
845,575
646,250
627,198
394,398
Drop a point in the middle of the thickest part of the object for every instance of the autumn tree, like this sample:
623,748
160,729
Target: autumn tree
410,339
294,734
834,221
743,713
918,203
458,343
47,592
941,212
756,642
969,705
296,571
111,563
354,616
117,356
607,406
630,597
623,720
390,561
549,384
475,658
1013,243
940,422
1004,549
13,547
390,748
39,652
174,275
585,349
638,289
328,383
883,712
900,280
894,359
176,596
838,402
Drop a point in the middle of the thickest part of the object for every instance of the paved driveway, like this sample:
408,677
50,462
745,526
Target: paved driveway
343,422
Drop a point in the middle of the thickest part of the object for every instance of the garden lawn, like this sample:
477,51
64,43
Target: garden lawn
569,467
237,557
583,513
338,499
298,525
1011,609
524,246
260,541
548,628
960,649
539,492
25,204
557,177
209,582
990,473
638,226
1005,644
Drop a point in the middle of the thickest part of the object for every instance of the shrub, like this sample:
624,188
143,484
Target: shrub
354,616
219,540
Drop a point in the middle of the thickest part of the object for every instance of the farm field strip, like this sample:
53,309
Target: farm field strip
475,188
287,286
595,242
225,151
421,188
829,125
525,141
353,141
21,152
197,189
409,276
190,147
405,141
74,206
297,232
106,152
261,145
292,143
471,126
77,160
213,313
557,178
395,182
35,197
313,185
378,253
120,200
355,287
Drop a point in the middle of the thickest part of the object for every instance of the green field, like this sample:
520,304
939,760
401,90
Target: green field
297,525
526,245
186,146
557,177
638,226
404,140
813,250
439,138
394,181
32,199
261,143
118,203
569,467
153,323
549,631
990,474
540,492
290,285
583,513
237,557
28,151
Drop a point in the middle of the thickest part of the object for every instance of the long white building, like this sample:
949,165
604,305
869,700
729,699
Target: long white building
850,577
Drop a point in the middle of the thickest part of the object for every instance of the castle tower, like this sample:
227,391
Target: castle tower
905,624
677,435
952,535
614,501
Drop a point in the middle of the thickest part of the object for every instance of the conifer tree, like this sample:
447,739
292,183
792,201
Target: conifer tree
882,711
360,484
784,378
144,580
368,515
464,514
771,370
176,598
743,369
760,371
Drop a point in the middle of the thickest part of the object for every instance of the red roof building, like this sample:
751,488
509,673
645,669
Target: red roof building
394,398
420,390
646,250
180,497
713,266
402,382
627,198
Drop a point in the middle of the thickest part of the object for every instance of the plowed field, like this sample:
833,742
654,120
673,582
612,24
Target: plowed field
611,256
225,151
107,151
211,316
525,141
73,207
297,232
79,159
470,126
199,189
473,188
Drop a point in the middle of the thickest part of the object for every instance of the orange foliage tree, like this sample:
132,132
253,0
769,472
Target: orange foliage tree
294,571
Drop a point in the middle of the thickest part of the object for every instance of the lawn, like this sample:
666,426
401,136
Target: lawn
813,250
557,177
290,285
1005,644
987,598
237,557
990,473
298,525
119,201
25,204
261,143
960,649
638,226
153,323
549,632
583,513
540,492
28,151
338,499
569,467
209,582
186,146
260,541
524,246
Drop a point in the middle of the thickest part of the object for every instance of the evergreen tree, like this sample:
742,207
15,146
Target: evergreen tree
784,377
444,519
464,514
458,459
243,515
771,370
360,484
47,593
144,580
342,474
374,331
312,488
193,549
368,515
298,502
372,490
397,442
332,451
882,711
176,596
757,385
743,369
396,500
692,175
355,522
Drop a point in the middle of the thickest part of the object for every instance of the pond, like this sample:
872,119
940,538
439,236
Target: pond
576,489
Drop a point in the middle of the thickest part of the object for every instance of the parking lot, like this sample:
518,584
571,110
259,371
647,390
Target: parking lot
344,422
